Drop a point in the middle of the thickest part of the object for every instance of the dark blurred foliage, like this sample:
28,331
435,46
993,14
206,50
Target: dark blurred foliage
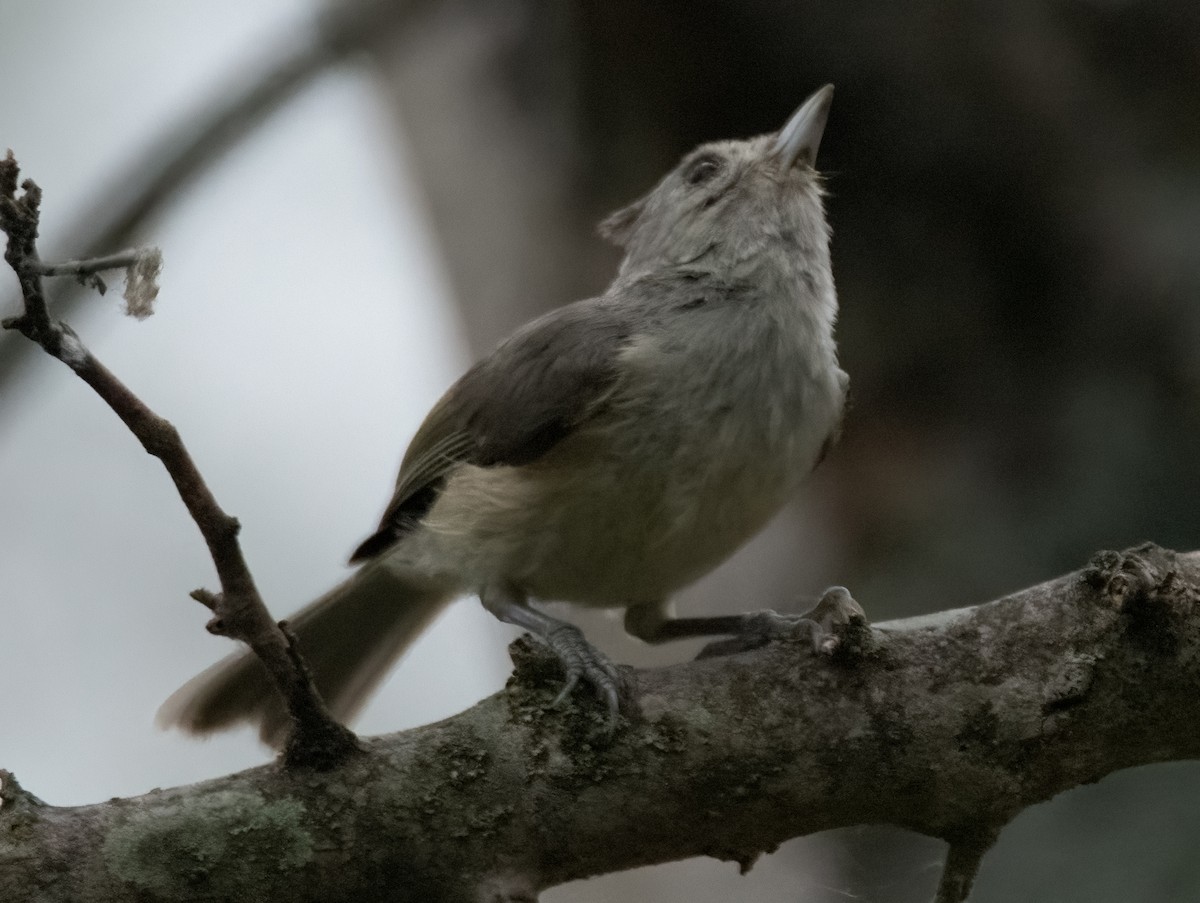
1015,192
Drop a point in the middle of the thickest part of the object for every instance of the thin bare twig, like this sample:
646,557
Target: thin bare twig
141,266
81,268
317,740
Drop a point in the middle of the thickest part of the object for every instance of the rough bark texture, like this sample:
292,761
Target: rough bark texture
947,724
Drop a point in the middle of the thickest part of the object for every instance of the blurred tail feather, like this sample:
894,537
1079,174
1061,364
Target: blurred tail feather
350,637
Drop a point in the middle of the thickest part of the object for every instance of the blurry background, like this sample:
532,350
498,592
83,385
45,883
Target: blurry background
1015,194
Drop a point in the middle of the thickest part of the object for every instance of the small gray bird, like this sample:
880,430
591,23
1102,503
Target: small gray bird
608,453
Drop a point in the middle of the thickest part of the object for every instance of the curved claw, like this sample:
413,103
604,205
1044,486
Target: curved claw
565,692
582,661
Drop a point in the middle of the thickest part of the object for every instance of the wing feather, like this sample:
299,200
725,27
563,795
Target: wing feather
509,409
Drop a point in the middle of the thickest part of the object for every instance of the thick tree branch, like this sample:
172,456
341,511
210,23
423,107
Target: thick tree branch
239,612
948,724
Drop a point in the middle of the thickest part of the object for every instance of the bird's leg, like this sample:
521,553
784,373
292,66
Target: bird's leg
653,623
580,660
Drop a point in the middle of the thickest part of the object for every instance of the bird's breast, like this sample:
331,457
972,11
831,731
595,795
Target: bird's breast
685,467
699,445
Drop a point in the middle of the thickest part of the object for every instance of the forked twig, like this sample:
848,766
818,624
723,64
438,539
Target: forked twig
317,740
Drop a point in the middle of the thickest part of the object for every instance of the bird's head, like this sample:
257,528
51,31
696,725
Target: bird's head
728,201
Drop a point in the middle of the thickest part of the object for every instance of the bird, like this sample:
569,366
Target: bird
609,452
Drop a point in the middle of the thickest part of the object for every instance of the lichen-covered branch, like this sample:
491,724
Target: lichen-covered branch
948,725
317,741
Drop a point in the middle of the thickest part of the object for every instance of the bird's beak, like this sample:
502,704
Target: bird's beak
799,139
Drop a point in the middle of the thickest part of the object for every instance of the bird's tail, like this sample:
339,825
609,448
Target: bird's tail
349,637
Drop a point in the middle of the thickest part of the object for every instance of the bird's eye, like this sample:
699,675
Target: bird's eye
702,169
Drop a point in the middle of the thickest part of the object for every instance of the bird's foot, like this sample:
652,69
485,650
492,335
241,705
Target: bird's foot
825,624
584,662
580,661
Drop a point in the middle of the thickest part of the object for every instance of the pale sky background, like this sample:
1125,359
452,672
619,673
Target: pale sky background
302,331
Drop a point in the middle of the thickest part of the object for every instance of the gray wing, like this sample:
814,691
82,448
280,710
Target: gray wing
510,408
